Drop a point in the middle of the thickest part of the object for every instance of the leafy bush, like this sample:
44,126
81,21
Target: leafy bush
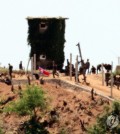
96,130
32,100
33,97
101,126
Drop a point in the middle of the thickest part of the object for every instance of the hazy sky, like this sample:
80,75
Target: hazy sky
95,24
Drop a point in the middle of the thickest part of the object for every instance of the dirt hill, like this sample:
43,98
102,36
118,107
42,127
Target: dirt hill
75,109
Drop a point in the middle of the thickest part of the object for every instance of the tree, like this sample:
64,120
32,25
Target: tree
32,100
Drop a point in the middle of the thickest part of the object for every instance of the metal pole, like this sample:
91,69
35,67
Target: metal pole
70,66
111,93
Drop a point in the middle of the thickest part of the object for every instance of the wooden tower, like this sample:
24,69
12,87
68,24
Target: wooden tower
46,36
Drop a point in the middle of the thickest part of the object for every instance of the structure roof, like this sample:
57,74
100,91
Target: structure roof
45,17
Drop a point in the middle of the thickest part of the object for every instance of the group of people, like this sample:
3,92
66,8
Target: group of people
10,69
82,70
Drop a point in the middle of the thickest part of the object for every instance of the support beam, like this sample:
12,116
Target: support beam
76,70
70,66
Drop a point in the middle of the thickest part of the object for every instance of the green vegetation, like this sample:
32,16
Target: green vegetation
101,126
51,42
33,97
32,102
1,131
116,72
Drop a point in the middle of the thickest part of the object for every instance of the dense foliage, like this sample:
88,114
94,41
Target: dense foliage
33,97
51,42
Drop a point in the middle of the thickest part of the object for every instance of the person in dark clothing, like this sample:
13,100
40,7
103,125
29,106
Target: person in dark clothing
99,66
93,70
87,65
68,63
20,66
55,70
107,77
83,70
10,70
36,76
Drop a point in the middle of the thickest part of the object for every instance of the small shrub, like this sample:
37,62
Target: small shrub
32,100
96,130
33,97
101,126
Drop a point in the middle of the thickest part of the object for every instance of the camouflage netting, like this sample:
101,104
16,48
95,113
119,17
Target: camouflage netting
49,42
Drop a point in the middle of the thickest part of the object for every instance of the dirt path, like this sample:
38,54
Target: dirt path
95,81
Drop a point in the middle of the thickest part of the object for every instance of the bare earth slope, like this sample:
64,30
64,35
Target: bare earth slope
73,107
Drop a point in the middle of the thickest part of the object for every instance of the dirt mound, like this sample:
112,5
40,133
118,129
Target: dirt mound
75,109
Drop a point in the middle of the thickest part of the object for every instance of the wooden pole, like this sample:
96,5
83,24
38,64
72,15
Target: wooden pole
102,75
70,66
32,67
27,66
76,69
79,50
111,93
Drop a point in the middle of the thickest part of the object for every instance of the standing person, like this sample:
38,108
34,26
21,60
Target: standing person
20,66
88,65
93,70
10,70
55,70
82,70
107,77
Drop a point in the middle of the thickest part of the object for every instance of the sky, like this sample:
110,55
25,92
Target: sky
95,24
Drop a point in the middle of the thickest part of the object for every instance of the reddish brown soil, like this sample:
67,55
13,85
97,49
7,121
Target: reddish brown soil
71,106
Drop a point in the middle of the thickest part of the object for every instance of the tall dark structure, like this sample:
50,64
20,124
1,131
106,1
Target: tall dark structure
46,38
